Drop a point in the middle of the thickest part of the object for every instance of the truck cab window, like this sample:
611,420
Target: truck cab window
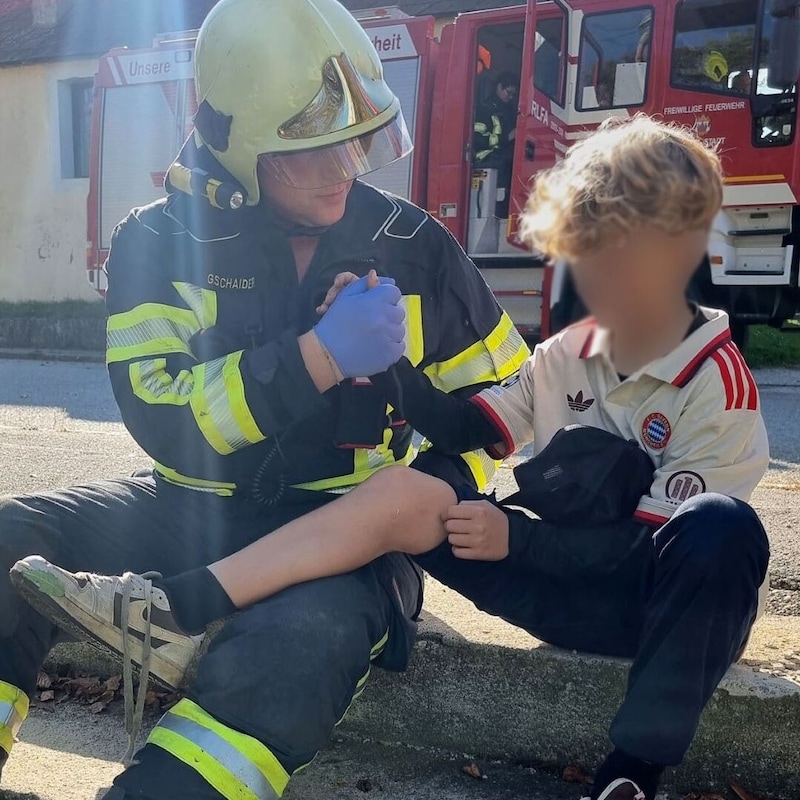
613,59
774,108
714,45
549,65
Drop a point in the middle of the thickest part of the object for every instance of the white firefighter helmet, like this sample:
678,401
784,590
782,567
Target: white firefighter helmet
279,78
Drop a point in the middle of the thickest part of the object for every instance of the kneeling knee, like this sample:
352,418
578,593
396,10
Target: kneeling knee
719,530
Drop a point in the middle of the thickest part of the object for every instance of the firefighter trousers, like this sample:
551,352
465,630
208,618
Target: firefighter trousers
680,603
274,682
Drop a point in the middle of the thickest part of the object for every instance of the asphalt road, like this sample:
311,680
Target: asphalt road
59,426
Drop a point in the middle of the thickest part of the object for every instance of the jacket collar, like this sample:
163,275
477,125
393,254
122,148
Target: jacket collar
679,366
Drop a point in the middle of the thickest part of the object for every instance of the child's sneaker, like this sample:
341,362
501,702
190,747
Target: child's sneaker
621,789
93,606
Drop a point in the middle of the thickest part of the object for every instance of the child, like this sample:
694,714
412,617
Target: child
630,208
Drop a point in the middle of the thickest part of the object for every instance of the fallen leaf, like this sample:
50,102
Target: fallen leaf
43,681
169,700
574,774
473,770
47,696
703,796
741,792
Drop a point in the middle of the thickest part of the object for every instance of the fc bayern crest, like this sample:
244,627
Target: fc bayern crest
656,431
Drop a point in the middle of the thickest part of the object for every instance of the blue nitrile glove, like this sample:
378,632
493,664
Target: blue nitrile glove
363,329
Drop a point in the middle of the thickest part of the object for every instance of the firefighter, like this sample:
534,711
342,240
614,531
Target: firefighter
253,406
494,132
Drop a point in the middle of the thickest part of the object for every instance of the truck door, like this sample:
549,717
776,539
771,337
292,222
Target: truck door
588,60
475,115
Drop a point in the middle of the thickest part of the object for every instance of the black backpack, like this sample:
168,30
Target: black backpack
585,476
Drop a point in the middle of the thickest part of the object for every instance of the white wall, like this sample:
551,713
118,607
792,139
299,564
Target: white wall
42,215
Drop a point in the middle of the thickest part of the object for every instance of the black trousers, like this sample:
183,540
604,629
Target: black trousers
680,603
283,671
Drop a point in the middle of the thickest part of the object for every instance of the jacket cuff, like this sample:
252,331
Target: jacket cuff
280,368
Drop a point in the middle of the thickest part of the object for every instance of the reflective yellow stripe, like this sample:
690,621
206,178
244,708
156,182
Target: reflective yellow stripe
376,650
482,467
359,475
197,484
507,347
203,302
238,766
152,383
415,340
149,329
14,706
220,407
496,358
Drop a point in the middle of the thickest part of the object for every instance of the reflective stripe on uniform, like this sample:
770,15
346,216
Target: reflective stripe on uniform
220,407
14,705
492,136
495,358
147,330
197,484
151,382
361,683
415,339
203,302
365,464
238,766
482,466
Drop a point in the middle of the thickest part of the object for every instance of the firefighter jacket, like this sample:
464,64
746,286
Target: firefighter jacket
205,309
494,121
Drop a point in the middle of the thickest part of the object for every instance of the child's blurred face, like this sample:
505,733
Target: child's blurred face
634,278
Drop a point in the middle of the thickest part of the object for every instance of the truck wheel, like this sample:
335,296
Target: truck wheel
740,333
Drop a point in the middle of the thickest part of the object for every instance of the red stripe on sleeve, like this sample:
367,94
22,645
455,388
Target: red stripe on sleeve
752,394
650,519
690,370
494,418
738,373
725,374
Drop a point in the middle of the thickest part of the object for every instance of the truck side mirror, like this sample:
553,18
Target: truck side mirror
783,58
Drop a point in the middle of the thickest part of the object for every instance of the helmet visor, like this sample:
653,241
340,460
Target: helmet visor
338,163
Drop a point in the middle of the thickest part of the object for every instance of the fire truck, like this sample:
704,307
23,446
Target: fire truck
728,69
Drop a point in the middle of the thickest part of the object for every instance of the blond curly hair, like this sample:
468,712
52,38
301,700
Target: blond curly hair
628,174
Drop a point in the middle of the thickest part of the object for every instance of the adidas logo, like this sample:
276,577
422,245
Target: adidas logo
577,403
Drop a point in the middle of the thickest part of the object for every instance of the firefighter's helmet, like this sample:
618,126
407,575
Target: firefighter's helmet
278,78
715,65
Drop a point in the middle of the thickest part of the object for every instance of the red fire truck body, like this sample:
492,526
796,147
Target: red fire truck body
725,68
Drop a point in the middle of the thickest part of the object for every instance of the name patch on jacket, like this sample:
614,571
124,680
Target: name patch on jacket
230,283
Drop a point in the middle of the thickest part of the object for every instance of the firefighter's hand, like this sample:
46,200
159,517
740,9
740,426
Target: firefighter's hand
477,530
343,280
363,330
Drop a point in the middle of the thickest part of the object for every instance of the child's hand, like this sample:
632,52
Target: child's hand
477,530
341,281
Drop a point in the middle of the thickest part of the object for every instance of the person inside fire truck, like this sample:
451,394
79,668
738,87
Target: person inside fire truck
644,545
254,407
494,132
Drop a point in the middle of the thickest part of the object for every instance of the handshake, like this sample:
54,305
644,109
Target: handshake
362,324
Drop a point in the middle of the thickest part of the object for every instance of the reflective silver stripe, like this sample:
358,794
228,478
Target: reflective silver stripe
223,752
10,718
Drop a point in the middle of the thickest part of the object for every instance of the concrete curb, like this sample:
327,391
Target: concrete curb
476,685
77,356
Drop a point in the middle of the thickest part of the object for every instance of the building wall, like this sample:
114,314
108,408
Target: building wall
42,214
